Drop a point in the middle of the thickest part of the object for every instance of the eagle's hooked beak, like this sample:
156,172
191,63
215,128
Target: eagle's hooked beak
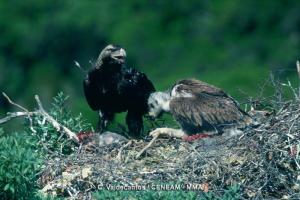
119,55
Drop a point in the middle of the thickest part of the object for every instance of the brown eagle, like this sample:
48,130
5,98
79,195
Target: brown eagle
199,108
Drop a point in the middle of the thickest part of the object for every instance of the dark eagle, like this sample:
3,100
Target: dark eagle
112,87
198,107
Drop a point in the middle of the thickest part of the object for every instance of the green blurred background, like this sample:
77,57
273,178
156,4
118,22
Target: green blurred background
232,44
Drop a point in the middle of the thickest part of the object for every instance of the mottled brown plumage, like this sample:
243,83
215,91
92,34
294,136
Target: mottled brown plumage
197,87
207,108
199,107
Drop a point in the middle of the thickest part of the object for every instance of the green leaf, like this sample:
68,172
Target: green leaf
6,187
12,189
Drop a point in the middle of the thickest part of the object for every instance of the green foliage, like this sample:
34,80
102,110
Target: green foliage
19,164
63,114
144,195
22,153
47,137
232,193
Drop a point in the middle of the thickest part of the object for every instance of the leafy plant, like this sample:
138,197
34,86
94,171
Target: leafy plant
21,153
47,137
19,164
145,195
232,193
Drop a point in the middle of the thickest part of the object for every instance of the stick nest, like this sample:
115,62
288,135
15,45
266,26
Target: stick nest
263,161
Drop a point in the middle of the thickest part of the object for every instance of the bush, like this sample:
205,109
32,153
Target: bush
46,136
144,195
232,193
18,167
22,154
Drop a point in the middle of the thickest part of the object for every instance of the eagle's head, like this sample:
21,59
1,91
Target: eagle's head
112,54
158,102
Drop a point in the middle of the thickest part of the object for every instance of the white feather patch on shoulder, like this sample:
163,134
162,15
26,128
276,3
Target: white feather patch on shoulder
176,92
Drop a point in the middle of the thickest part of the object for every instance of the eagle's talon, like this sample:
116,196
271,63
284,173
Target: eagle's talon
161,131
157,132
154,133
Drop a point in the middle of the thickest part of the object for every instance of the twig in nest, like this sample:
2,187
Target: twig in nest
121,149
146,147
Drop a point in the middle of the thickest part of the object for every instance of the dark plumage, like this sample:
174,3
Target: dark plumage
199,107
112,87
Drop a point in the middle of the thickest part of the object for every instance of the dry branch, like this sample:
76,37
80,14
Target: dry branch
57,125
10,116
41,111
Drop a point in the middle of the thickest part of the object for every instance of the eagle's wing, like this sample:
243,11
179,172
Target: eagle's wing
196,87
205,112
144,84
136,82
136,88
92,90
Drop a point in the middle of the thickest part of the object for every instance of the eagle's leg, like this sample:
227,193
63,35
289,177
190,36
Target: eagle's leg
134,122
104,119
177,133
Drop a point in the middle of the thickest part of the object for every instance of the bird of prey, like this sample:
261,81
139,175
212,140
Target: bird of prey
199,108
112,87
